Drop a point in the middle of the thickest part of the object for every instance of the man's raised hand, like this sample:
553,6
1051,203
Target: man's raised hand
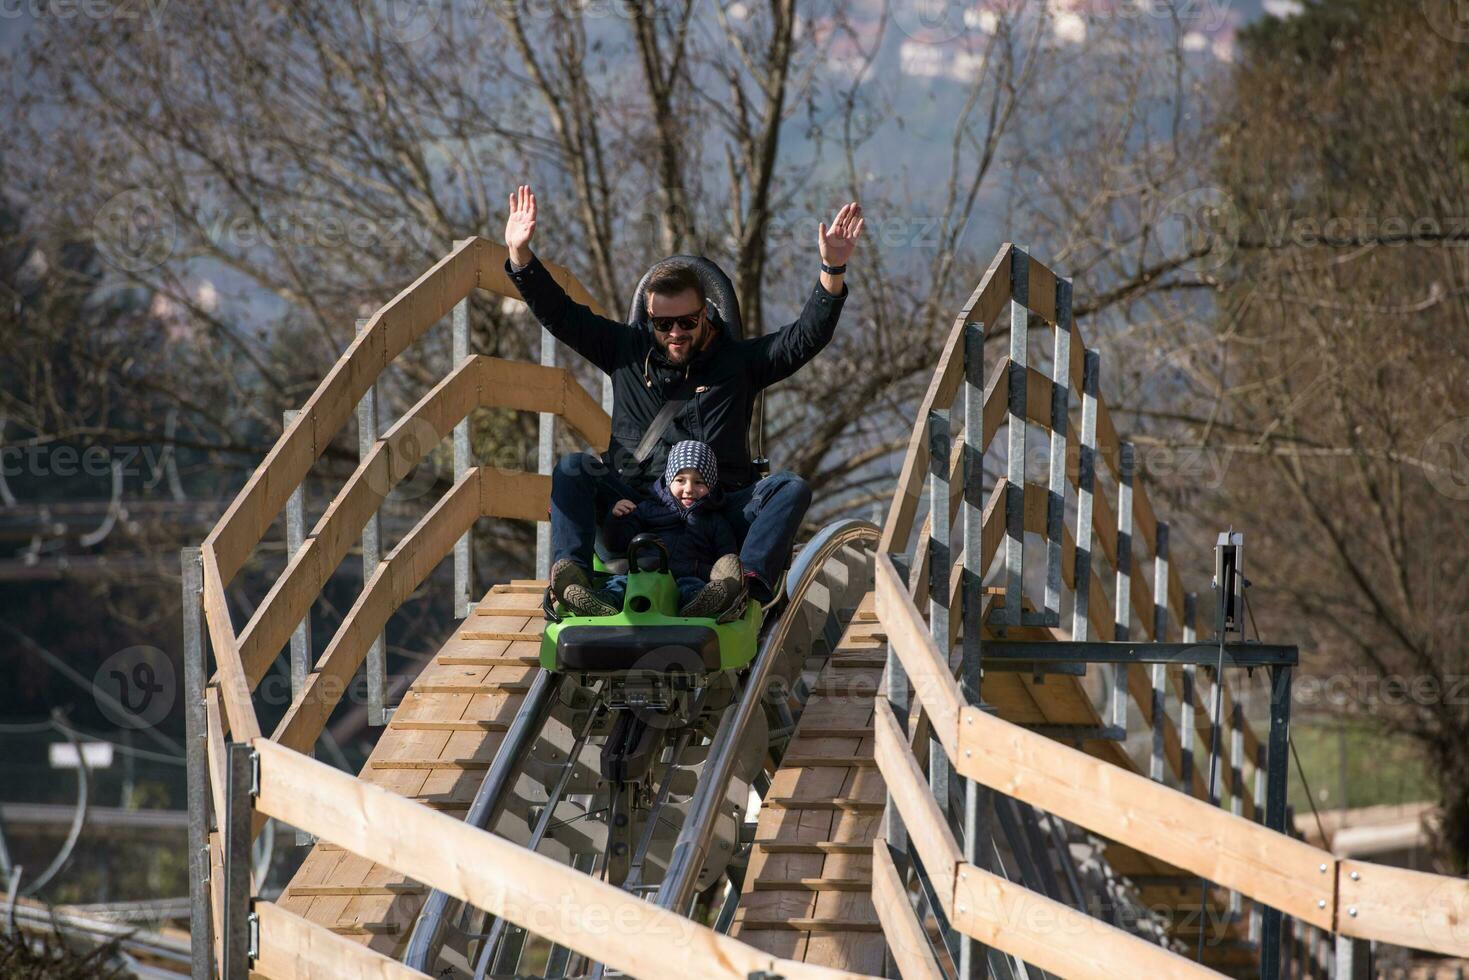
838,241
521,224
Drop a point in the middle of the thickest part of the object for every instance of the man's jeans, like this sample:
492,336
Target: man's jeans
765,515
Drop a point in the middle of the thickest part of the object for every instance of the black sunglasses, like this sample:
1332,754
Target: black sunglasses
689,322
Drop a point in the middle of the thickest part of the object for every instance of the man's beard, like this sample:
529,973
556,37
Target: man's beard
696,343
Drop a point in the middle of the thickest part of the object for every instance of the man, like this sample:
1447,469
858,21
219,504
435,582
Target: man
681,353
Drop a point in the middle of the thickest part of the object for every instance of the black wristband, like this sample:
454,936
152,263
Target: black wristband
834,270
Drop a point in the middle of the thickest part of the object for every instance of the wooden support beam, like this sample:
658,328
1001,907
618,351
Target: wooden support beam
1403,908
927,667
908,788
588,916
1057,938
905,937
1153,819
404,568
292,948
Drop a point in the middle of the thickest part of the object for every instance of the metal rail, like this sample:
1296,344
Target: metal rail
692,846
488,800
770,674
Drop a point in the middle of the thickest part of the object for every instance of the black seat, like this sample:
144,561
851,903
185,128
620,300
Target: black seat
658,649
719,292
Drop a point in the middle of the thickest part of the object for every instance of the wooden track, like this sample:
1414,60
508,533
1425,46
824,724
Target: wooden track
435,748
807,892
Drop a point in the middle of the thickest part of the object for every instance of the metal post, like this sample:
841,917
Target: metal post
1353,959
895,689
1186,708
239,804
973,956
972,473
545,453
940,567
1015,442
1122,615
196,672
463,554
1159,672
1086,476
1056,494
367,434
1259,818
295,538
1277,773
301,660
1236,777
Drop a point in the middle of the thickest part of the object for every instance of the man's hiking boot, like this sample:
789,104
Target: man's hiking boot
570,585
585,601
567,572
723,599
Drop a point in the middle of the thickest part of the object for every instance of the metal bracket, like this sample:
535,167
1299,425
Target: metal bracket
252,923
254,774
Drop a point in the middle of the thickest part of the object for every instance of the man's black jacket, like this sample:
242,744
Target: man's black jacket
722,379
696,536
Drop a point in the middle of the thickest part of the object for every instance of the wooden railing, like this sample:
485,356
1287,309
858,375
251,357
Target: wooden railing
1016,391
957,420
1351,898
249,777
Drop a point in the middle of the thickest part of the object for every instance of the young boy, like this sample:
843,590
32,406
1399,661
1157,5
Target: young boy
686,514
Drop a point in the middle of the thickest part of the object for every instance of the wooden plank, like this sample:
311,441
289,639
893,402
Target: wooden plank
811,884
388,332
584,414
399,888
466,765
1055,937
440,725
499,660
215,749
905,937
910,791
520,496
291,948
814,847
927,668
1403,908
501,877
404,568
291,595
840,803
234,690
1134,810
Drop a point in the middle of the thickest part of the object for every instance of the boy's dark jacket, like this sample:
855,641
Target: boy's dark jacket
725,377
696,536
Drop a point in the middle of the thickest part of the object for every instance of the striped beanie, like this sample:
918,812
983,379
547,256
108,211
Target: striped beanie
692,455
